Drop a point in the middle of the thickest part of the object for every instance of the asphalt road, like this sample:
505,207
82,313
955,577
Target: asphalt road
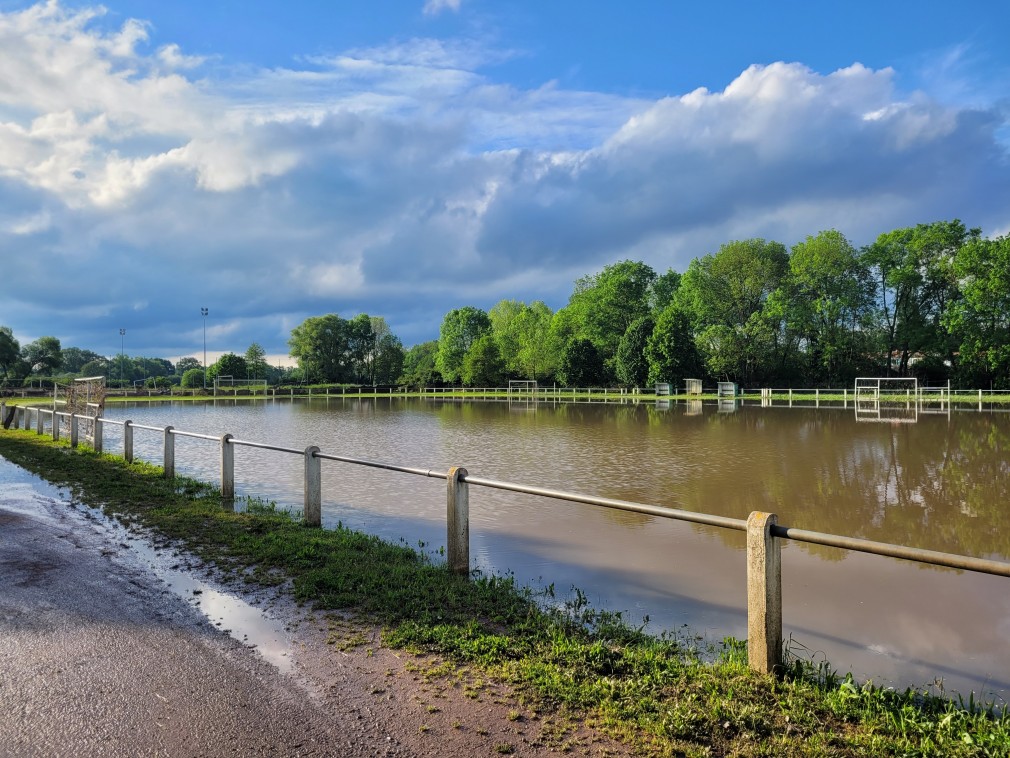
98,658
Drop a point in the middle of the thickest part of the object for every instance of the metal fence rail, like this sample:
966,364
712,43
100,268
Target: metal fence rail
764,534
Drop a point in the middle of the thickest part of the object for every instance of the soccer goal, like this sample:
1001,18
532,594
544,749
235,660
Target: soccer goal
522,387
233,383
894,389
84,397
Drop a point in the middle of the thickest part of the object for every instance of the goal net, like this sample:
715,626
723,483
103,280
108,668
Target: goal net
234,383
893,389
522,386
84,397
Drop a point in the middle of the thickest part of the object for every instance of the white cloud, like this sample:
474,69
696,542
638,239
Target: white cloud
434,7
401,181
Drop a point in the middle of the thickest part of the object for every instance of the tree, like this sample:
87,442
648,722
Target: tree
581,364
255,361
43,356
10,352
147,367
361,348
663,290
193,377
378,351
506,318
631,364
460,328
670,351
419,366
185,364
322,346
228,364
537,358
913,270
74,358
726,296
98,367
832,296
483,365
605,304
388,363
122,368
728,287
980,317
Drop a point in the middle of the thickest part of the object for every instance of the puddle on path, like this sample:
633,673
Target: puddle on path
24,493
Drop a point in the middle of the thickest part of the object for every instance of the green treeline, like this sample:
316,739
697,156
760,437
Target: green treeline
931,301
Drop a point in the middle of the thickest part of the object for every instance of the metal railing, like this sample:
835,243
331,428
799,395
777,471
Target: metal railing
764,533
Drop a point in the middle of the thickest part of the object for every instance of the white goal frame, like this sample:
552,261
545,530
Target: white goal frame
522,386
871,388
232,382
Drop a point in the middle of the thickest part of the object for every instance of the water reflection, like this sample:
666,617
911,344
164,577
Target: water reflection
938,484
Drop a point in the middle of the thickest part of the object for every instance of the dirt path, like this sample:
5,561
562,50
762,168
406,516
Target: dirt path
109,647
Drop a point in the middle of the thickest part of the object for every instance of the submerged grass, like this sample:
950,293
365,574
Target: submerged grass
655,693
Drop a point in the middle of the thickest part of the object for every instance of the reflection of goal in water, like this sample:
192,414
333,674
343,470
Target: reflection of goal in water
522,395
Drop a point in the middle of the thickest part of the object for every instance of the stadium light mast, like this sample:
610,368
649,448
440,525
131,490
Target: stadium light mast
122,350
204,312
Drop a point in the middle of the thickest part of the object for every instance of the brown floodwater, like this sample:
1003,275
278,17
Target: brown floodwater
932,480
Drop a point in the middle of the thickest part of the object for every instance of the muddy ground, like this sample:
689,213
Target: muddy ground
112,646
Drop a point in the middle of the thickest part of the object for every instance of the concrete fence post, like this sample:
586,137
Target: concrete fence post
3,411
39,423
313,511
764,594
99,428
128,441
18,412
169,458
227,467
56,424
458,521
73,429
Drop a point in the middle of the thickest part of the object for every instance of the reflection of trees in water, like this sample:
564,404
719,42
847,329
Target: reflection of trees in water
939,484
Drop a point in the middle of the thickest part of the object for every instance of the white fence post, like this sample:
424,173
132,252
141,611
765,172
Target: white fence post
127,441
73,430
169,457
56,424
97,444
458,521
227,467
764,594
313,511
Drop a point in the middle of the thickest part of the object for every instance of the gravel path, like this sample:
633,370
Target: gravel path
104,653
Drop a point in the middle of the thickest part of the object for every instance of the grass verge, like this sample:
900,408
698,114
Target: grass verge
654,693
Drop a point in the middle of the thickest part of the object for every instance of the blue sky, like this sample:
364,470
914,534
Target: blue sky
275,161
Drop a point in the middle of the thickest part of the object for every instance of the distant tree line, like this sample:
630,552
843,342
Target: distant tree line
46,360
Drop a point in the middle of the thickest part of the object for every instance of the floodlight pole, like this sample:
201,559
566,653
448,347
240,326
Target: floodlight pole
122,350
204,312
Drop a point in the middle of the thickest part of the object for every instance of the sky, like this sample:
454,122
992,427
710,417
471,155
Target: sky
275,161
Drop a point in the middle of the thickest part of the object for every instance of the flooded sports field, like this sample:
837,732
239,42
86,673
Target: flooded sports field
930,480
